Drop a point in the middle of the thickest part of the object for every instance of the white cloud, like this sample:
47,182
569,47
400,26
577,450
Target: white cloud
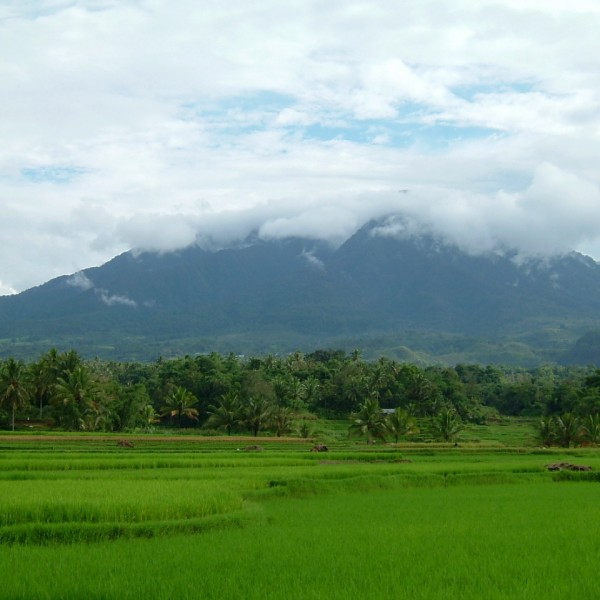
6,290
115,299
81,281
555,213
321,222
135,124
163,233
312,260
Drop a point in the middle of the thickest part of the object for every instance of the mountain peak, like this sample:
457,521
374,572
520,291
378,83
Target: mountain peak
267,294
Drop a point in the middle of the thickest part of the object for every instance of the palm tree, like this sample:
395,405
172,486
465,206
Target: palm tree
422,393
13,390
311,392
296,390
95,417
568,429
591,428
149,417
400,423
44,374
227,414
446,425
368,420
68,361
77,394
305,429
356,388
180,404
257,413
281,420
546,431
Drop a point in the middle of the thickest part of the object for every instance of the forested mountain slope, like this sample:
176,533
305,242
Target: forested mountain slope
280,295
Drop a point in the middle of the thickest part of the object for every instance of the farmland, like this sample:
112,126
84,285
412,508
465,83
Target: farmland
190,517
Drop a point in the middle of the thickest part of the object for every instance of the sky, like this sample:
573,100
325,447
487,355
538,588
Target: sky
155,124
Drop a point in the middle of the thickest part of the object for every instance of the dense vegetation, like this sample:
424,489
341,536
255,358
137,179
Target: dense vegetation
440,490
411,299
280,395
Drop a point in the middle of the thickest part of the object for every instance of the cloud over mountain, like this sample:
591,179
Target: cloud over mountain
135,124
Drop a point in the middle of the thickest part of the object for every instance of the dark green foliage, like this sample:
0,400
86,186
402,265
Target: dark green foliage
180,404
591,429
217,392
226,414
369,420
132,407
305,429
13,389
257,413
400,423
77,402
546,431
282,421
446,425
266,296
568,429
588,400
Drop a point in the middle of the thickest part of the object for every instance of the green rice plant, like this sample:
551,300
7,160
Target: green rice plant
111,499
366,483
457,542
72,532
576,476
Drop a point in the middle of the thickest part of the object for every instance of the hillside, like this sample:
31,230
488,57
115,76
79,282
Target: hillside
412,298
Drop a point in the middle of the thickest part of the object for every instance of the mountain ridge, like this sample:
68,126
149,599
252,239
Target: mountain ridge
277,295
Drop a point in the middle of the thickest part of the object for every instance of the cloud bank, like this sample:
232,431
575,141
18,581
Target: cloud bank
151,125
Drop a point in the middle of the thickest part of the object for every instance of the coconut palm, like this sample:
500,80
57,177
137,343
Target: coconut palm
226,414
180,403
13,389
149,417
296,394
399,423
546,431
422,394
591,429
76,393
257,413
311,391
44,375
568,429
68,361
95,417
368,420
446,425
305,429
356,389
281,420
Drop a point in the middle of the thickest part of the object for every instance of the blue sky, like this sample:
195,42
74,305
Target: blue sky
151,124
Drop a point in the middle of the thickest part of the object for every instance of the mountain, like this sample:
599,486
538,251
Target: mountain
586,350
407,297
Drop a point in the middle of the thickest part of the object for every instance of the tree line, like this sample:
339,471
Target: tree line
253,394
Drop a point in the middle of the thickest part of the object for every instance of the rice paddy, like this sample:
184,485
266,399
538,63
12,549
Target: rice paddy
81,517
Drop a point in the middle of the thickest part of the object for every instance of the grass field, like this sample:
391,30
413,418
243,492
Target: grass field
196,517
